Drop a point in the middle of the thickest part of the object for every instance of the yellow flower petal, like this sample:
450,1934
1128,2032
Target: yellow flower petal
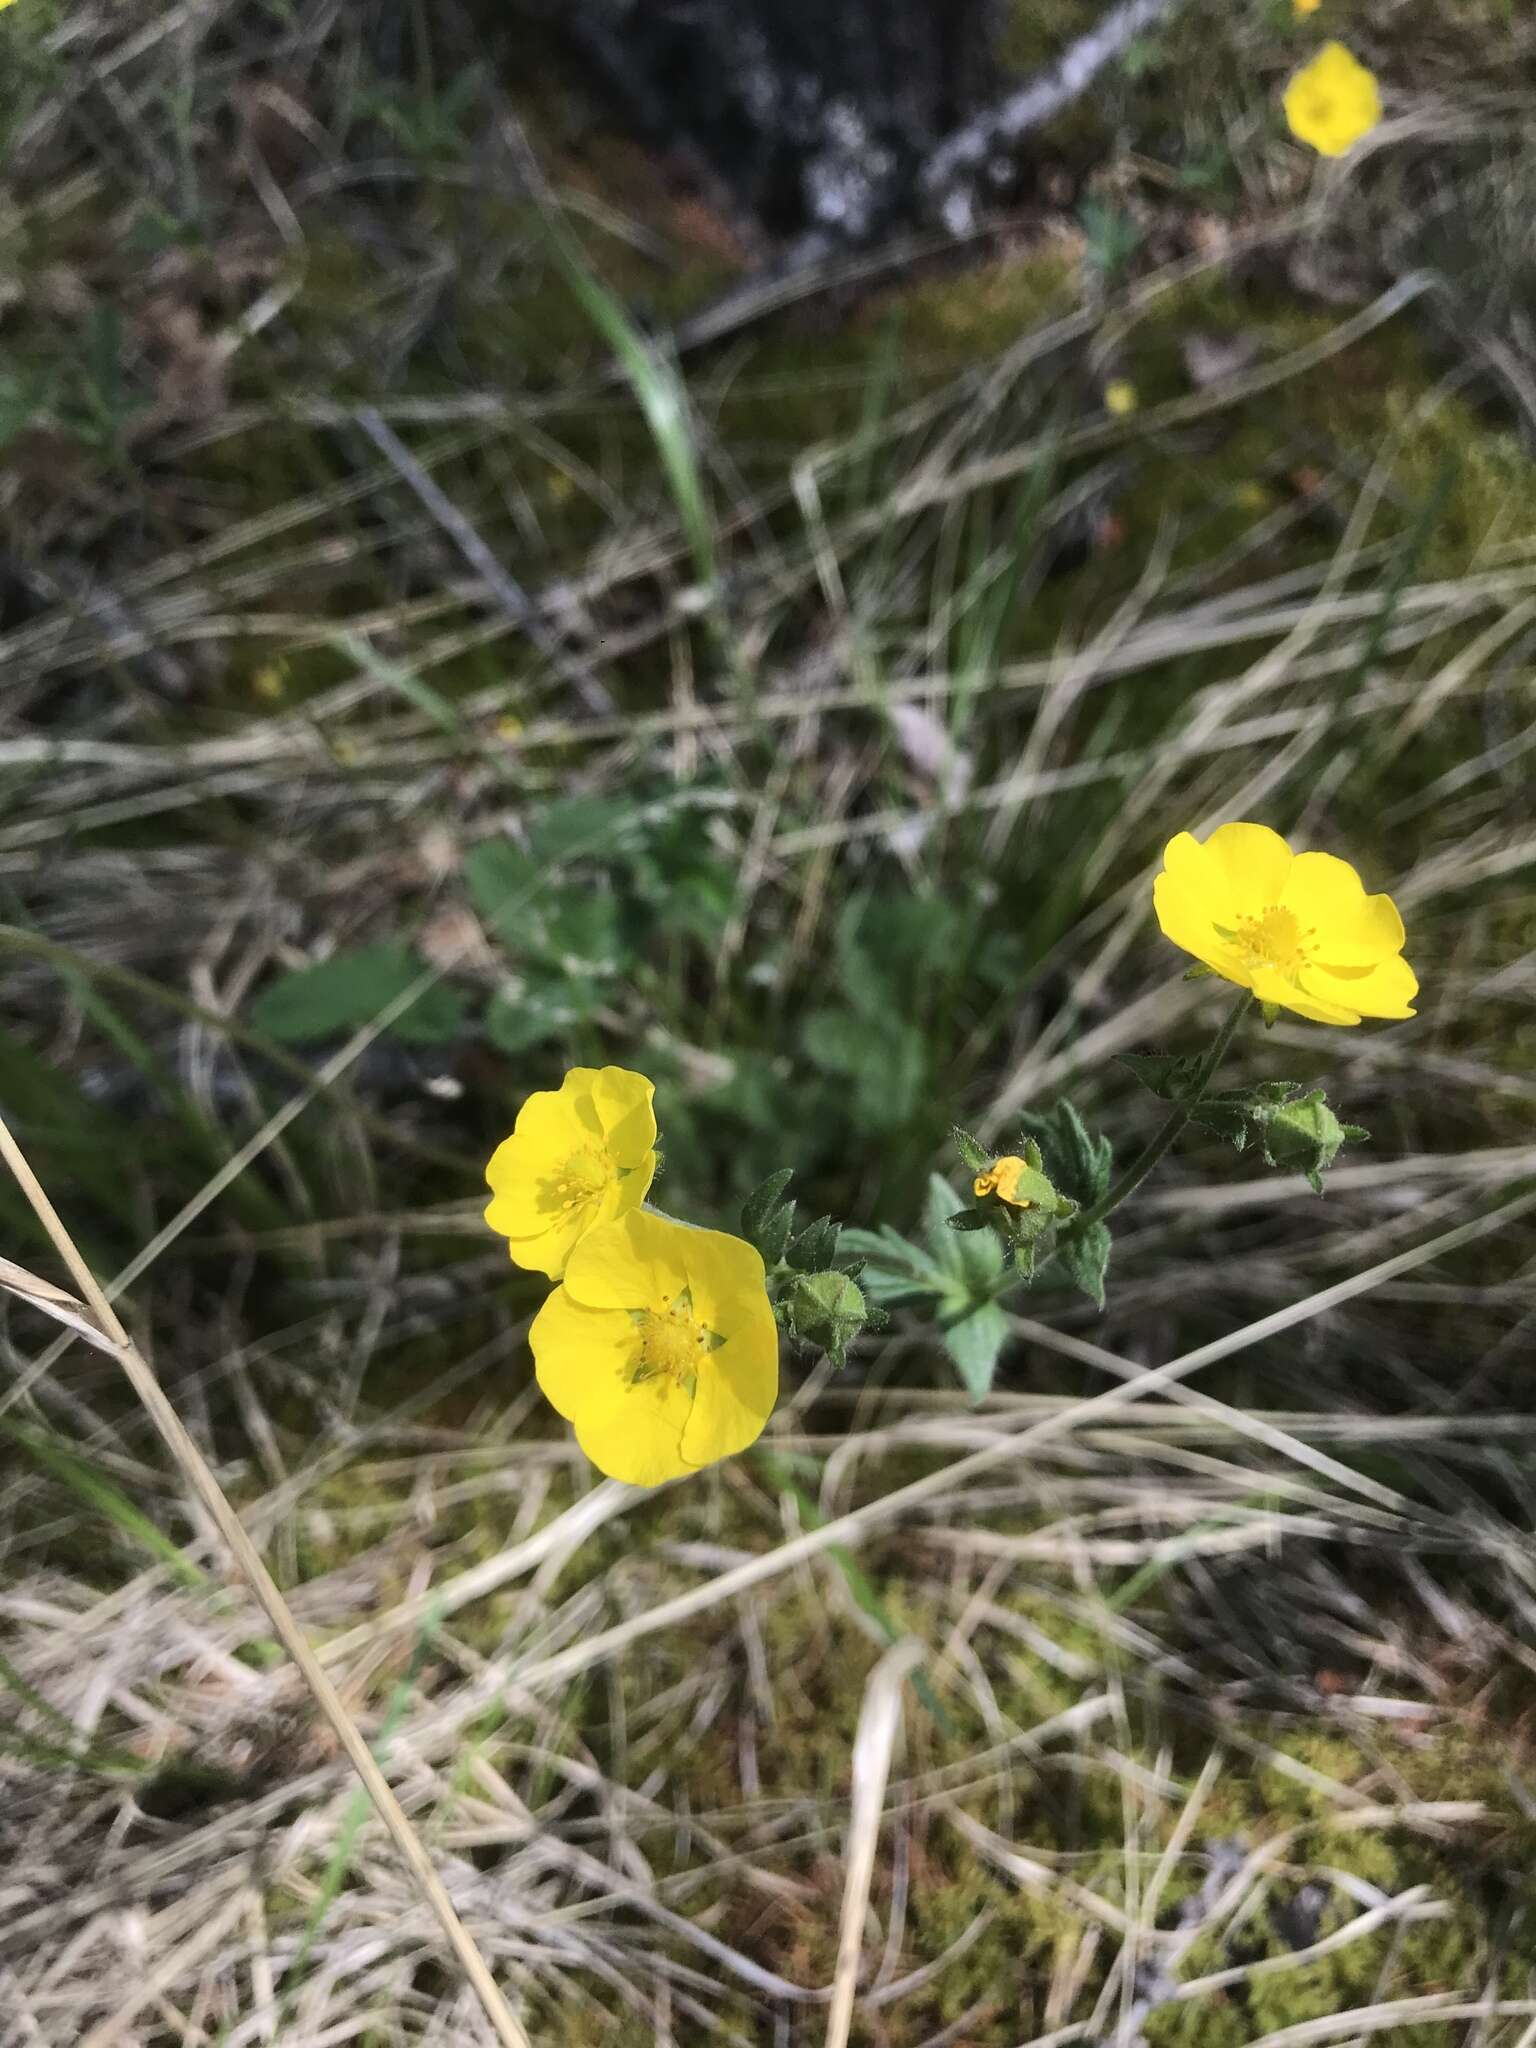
1189,924
1355,930
578,1157
623,1103
1384,990
660,1346
585,1360
1299,931
737,1392
1271,987
1256,863
580,1355
1234,873
1333,101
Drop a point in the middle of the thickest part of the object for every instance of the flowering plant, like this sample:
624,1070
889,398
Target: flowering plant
660,1341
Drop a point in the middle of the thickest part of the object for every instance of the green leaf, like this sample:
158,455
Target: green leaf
974,1343
538,1011
581,934
973,1258
764,1199
886,1059
967,1219
1085,1258
583,827
836,1040
1169,1075
973,1153
506,886
815,1247
350,989
895,1269
1076,1160
772,1240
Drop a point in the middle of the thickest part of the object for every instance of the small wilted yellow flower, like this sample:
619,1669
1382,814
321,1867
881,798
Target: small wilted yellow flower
579,1156
1333,101
1002,1178
660,1346
1297,929
1120,397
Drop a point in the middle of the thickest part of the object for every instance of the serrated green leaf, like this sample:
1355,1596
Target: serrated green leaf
973,1343
815,1248
764,1199
350,989
1085,1258
1077,1161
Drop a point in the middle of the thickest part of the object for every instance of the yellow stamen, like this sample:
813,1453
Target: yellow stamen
582,1178
1276,939
672,1345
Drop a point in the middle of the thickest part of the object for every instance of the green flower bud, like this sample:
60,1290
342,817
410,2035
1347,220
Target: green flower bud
827,1310
1304,1136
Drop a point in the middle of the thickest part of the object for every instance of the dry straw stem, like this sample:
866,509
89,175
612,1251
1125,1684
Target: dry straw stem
208,1491
879,1720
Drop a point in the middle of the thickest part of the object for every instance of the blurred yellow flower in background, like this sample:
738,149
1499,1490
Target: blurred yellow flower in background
660,1346
579,1156
1120,397
1297,929
1333,101
1302,7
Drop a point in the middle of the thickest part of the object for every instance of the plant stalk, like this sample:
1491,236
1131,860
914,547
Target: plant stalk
1170,1128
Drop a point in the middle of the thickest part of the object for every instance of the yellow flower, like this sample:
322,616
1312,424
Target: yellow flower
660,1347
1298,929
1002,1179
1120,397
1332,101
578,1156
1301,7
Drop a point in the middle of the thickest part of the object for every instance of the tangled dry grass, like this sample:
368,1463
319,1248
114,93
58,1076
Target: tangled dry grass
1176,1692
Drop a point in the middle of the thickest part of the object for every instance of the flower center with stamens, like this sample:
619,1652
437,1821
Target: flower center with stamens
1275,939
672,1345
582,1178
